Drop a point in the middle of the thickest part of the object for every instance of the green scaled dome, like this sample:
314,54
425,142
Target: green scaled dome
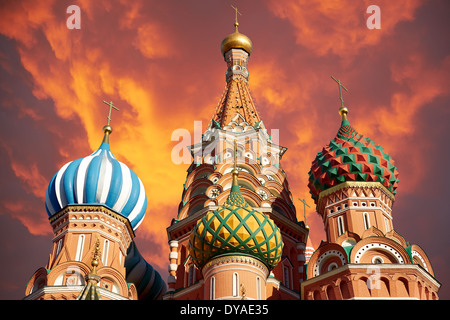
351,157
236,228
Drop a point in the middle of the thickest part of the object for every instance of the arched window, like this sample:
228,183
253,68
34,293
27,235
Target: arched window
235,284
80,246
286,276
258,288
366,220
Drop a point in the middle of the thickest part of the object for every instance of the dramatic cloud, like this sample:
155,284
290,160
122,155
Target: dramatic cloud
160,63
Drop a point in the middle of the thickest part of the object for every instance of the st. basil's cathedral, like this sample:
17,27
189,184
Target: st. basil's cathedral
236,234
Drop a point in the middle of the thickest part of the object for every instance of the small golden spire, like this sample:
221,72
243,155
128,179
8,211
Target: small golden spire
343,111
235,171
95,257
244,297
107,130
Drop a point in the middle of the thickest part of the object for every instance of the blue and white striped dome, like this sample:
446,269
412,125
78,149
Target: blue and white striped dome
98,179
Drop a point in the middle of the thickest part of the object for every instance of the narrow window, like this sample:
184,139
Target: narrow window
58,248
105,252
235,284
286,276
258,288
340,221
190,274
80,246
386,222
366,220
212,294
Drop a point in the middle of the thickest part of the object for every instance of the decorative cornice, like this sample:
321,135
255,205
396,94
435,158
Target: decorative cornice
92,209
358,184
233,258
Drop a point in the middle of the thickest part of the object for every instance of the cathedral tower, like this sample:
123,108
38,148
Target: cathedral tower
214,182
353,183
94,205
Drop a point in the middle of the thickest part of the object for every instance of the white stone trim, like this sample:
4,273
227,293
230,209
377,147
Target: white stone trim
375,245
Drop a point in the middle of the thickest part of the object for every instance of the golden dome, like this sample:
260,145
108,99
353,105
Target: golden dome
237,40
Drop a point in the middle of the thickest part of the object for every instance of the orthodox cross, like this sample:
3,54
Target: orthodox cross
235,9
304,207
111,106
340,85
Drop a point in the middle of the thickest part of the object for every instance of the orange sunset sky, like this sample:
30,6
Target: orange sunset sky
160,63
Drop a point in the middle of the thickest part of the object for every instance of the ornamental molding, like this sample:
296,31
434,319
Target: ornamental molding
414,253
381,246
91,209
227,259
324,257
359,184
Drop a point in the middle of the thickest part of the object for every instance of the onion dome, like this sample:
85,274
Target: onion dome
98,179
351,157
236,228
236,40
148,282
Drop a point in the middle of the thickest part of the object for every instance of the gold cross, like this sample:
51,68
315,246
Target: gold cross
340,90
236,24
235,9
110,104
304,207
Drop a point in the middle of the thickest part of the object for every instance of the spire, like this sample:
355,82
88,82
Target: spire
235,198
107,130
343,111
92,279
236,40
236,105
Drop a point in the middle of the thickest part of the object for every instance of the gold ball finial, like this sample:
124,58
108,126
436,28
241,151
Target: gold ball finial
107,130
343,111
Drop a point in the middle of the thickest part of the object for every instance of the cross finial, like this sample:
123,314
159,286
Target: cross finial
304,208
111,106
342,110
236,24
95,257
235,171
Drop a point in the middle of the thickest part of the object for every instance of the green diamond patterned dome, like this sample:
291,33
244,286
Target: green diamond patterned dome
236,228
351,157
